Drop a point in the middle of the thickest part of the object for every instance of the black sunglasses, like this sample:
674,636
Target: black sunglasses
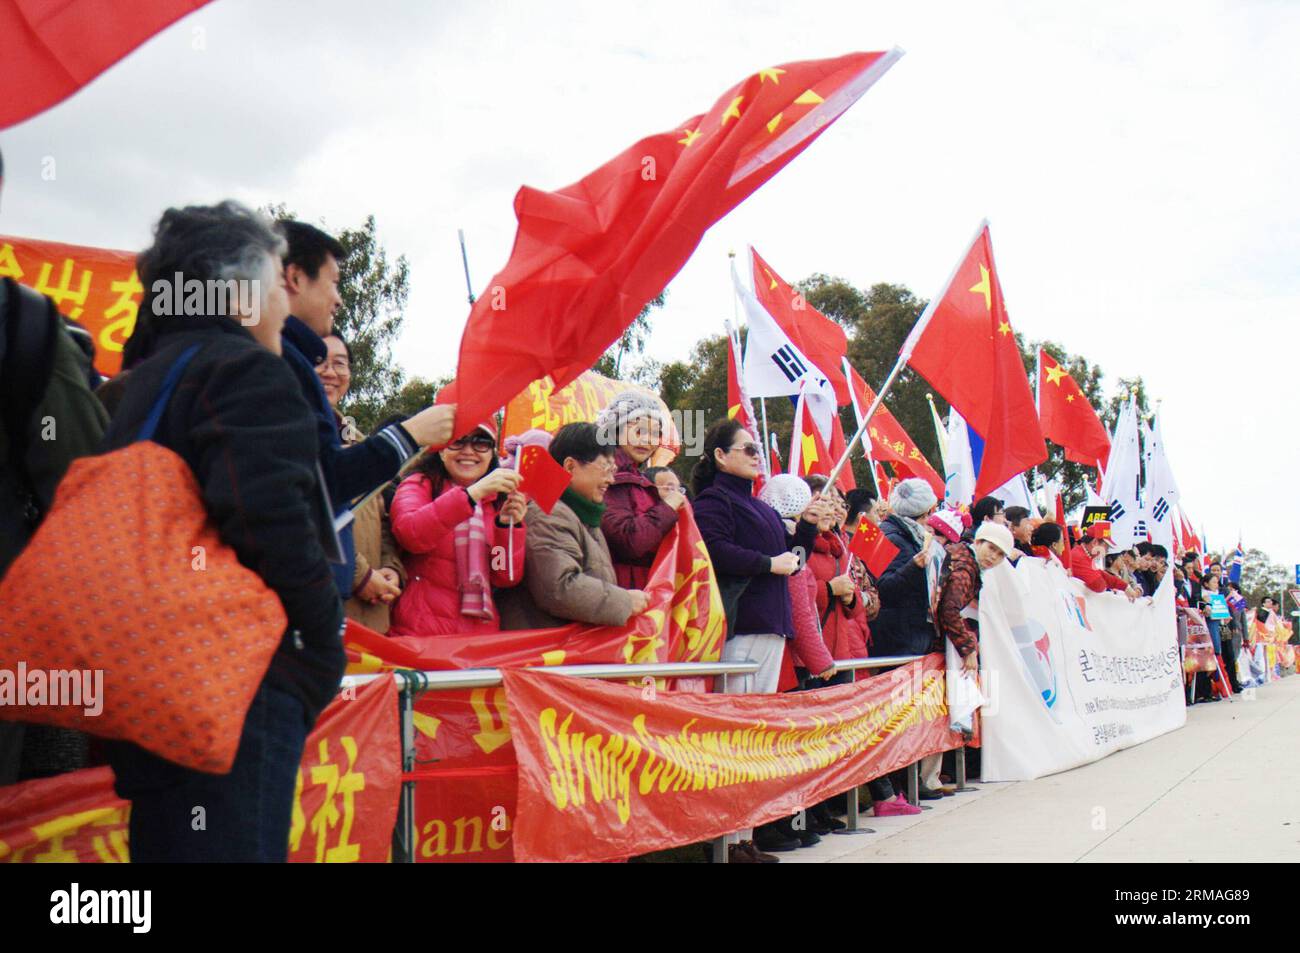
748,449
480,442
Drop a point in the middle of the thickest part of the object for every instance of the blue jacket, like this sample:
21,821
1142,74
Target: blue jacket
903,626
349,472
743,534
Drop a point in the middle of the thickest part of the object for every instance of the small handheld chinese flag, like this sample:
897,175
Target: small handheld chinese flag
544,480
872,546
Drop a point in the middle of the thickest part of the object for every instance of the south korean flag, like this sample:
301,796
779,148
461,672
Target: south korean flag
775,367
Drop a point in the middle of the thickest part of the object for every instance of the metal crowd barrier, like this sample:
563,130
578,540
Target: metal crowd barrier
412,683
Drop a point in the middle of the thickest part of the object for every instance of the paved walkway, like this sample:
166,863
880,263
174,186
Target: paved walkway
1225,787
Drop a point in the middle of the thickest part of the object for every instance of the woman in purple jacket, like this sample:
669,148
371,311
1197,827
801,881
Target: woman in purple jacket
747,541
636,517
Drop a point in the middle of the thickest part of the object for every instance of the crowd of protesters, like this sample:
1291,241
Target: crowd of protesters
418,543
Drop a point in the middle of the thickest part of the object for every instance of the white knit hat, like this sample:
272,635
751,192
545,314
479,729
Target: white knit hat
786,493
912,497
998,535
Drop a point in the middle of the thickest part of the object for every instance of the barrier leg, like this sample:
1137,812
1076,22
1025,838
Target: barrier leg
914,784
404,832
961,771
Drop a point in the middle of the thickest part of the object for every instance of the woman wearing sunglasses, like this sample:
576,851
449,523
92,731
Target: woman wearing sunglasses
452,519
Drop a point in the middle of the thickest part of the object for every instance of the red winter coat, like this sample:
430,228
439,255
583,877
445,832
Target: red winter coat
1098,580
808,649
636,521
425,530
844,627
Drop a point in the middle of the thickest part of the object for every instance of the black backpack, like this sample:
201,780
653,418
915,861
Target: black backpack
29,325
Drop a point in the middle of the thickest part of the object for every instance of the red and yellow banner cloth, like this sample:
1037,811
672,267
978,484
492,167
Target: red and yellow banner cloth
96,287
541,406
344,807
608,771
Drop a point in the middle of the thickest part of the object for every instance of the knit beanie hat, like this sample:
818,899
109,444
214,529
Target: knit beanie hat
912,497
998,535
786,493
626,407
948,523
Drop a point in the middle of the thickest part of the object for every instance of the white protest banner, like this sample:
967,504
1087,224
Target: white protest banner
1072,675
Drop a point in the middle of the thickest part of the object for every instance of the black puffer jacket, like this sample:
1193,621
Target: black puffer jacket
903,626
237,417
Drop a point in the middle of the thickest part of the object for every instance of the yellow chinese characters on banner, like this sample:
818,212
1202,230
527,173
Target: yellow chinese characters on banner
96,287
344,805
542,407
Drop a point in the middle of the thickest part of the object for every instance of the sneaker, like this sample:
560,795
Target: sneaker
895,808
746,853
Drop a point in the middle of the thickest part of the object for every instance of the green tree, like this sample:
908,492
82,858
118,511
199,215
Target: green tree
374,290
632,342
1261,577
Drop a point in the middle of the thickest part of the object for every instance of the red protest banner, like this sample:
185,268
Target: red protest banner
344,808
607,772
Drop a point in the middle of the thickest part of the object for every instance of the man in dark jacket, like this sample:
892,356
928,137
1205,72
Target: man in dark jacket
237,419
311,274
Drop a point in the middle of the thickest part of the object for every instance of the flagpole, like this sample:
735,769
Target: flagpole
735,314
464,259
866,419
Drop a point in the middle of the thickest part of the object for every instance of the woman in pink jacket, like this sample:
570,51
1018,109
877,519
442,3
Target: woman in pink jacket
452,520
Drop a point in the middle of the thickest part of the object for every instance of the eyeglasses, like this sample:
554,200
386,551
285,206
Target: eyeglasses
481,443
338,367
750,450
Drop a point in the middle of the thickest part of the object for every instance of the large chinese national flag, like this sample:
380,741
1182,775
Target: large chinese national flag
820,339
49,49
889,441
965,347
1067,417
589,256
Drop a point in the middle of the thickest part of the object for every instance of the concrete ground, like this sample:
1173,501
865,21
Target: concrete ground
1225,787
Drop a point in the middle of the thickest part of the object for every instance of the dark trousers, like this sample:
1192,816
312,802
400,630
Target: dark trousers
1230,663
184,816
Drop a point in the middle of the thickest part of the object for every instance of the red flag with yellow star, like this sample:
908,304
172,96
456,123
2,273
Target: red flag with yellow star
964,346
54,47
889,441
872,546
1067,417
738,404
588,257
820,339
809,452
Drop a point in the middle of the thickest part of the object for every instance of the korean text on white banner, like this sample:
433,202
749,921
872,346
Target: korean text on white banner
1072,675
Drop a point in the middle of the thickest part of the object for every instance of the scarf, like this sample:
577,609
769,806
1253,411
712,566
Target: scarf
587,511
471,544
914,529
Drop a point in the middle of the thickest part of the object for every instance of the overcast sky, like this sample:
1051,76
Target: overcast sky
1137,162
